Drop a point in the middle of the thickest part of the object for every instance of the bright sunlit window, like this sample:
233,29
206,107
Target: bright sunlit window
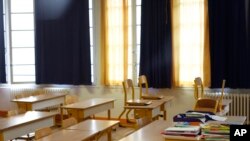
188,41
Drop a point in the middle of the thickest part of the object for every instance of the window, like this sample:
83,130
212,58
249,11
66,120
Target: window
188,43
121,41
20,42
19,34
91,39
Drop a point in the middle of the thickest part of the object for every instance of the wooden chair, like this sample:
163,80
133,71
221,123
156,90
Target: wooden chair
128,88
207,104
220,106
69,122
15,112
198,88
42,132
143,84
69,99
129,94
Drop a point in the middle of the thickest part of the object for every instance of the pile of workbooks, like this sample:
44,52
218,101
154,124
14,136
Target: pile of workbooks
182,132
218,132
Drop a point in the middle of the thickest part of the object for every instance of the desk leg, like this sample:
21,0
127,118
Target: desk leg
61,111
109,134
165,115
109,113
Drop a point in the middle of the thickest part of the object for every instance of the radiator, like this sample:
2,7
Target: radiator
240,105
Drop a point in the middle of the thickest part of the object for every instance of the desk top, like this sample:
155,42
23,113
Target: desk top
85,104
154,104
94,125
37,98
151,132
69,135
231,120
30,116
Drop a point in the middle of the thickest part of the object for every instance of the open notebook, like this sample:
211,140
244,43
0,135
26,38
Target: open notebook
138,102
152,97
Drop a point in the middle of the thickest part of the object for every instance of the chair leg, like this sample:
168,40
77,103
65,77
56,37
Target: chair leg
122,114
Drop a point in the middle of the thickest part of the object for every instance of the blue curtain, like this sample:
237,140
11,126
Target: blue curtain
230,52
156,53
62,42
2,48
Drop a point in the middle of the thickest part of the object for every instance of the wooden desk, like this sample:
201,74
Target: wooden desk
151,111
151,132
100,126
86,108
32,103
16,126
69,135
166,103
232,120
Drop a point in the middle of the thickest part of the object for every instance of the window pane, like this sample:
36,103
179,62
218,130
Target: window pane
23,56
91,36
92,73
24,70
91,55
138,54
90,4
138,2
138,34
22,38
138,15
90,18
22,21
3,6
22,6
92,69
4,26
23,78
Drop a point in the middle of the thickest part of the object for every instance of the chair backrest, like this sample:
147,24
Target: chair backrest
198,88
15,112
221,96
69,99
12,113
206,105
69,122
143,83
128,88
39,133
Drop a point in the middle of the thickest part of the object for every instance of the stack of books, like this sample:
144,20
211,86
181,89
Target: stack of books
185,132
218,132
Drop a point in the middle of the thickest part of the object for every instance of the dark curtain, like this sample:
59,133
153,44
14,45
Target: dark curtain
156,53
247,22
62,42
230,53
2,48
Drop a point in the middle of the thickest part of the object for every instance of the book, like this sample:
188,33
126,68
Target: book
184,129
182,137
138,102
152,97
